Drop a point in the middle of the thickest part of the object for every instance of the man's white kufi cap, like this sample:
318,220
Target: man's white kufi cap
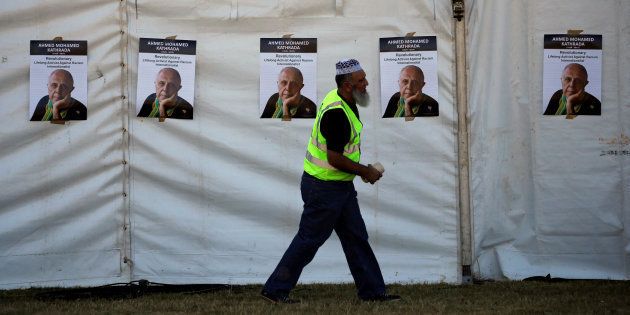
346,66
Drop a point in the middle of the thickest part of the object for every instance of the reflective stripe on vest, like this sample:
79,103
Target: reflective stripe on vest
316,159
348,149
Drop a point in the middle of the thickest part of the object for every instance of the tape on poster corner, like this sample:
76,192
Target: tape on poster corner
338,7
574,32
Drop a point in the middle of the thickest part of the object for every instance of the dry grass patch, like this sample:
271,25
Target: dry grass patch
498,297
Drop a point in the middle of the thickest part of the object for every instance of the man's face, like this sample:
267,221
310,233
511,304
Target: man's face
60,85
359,81
410,82
359,88
289,83
167,84
573,81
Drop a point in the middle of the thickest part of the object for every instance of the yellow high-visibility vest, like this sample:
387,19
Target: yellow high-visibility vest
316,160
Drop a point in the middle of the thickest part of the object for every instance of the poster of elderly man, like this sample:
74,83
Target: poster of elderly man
288,68
572,75
58,80
166,78
409,80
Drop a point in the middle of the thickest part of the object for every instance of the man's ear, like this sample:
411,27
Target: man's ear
179,88
72,89
346,86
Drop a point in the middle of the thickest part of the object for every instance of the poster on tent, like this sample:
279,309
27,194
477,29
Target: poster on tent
58,80
409,79
288,77
572,74
166,78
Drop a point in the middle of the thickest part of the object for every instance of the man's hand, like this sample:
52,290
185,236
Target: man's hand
60,106
572,100
290,102
414,99
369,173
372,174
167,104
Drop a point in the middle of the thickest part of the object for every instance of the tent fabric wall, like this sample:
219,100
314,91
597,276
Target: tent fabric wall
545,199
217,199
62,208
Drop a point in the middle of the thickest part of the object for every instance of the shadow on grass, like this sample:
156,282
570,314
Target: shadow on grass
129,290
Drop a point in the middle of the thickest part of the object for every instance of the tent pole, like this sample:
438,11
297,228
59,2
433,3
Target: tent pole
461,81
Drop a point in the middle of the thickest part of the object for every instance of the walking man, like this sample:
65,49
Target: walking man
330,200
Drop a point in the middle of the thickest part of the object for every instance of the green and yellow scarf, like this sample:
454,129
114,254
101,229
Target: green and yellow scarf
278,112
400,110
49,112
562,106
155,110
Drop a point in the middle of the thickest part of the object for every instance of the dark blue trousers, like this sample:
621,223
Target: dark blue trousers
328,206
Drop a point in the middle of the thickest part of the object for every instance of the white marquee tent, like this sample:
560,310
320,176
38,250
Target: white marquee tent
118,198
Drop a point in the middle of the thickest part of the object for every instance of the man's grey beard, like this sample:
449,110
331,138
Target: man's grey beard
362,98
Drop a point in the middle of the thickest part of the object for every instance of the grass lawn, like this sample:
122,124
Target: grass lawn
490,297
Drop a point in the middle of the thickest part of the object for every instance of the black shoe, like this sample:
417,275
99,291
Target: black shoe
278,299
384,298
